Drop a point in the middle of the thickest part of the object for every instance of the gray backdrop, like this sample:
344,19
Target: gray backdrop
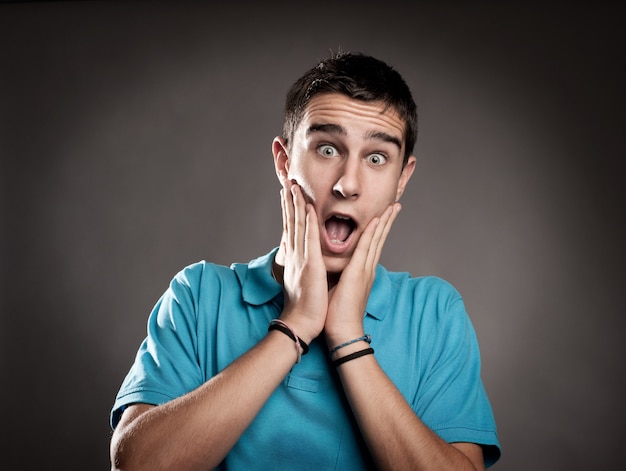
135,139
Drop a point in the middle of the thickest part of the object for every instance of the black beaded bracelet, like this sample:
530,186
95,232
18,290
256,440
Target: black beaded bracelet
352,356
276,326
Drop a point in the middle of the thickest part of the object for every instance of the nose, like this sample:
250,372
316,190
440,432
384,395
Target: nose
348,183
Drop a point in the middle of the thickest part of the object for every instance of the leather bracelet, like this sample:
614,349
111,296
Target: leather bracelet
352,356
282,327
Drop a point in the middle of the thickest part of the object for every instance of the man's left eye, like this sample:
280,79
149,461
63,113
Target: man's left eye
376,159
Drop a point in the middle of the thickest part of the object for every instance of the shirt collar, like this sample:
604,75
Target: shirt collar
380,295
257,283
260,287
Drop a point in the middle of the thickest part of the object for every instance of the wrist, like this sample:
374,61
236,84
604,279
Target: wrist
338,350
302,348
353,356
301,329
335,339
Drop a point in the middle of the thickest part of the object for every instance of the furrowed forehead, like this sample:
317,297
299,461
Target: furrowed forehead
335,113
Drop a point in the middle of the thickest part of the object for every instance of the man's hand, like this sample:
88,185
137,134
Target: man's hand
304,278
348,299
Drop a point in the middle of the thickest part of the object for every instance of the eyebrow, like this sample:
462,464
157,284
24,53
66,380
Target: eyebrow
383,136
340,130
329,128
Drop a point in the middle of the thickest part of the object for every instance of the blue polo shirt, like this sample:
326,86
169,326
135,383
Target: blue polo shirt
423,339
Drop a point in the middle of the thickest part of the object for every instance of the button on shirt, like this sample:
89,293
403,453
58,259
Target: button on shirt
422,337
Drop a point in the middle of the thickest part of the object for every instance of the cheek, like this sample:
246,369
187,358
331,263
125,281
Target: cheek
382,197
310,186
310,194
295,171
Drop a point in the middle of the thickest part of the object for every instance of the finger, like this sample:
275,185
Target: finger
367,253
284,236
288,216
283,212
299,208
379,237
381,233
360,255
370,256
312,245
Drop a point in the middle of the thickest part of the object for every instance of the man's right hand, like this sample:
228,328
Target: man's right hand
304,279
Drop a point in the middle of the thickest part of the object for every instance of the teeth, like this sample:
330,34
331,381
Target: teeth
342,217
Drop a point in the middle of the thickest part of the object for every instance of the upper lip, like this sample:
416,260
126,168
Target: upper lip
341,215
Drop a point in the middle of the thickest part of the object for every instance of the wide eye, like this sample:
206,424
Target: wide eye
327,150
376,159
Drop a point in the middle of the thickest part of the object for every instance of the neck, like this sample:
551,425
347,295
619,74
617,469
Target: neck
278,272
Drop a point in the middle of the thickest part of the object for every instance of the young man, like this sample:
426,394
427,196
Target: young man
313,356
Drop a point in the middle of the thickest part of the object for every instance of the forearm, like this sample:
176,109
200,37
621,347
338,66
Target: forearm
395,435
197,430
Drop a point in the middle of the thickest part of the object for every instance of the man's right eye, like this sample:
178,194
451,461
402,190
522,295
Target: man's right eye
327,150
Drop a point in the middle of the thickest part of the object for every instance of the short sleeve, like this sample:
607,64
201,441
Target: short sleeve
452,399
166,365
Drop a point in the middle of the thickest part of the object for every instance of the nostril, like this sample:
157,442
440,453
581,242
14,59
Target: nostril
345,191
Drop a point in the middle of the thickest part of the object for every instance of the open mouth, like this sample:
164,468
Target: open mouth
339,228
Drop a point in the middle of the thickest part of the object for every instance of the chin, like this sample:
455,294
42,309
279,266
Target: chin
335,264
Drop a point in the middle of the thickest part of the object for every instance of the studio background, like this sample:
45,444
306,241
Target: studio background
135,139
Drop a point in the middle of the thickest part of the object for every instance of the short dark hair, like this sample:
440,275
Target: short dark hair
357,76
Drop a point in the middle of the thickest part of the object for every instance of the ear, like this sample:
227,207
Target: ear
405,176
281,158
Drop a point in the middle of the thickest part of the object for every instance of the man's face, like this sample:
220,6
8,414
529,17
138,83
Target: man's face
346,155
